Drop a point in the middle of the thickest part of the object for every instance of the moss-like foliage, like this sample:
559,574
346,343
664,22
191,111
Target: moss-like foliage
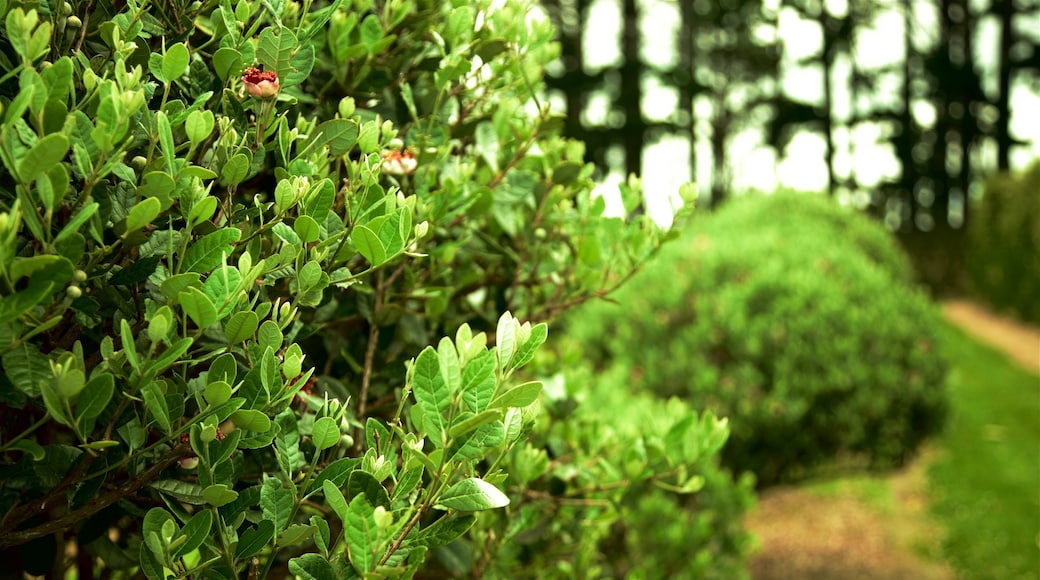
795,321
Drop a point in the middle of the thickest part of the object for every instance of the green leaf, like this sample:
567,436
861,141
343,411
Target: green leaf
170,355
275,50
295,534
166,141
371,32
17,304
198,306
519,396
526,351
307,229
471,423
443,531
323,537
478,381
208,252
142,214
506,337
319,199
44,155
81,217
126,336
335,499
367,242
325,433
195,532
199,125
235,169
227,62
223,289
473,494
251,420
219,494
241,326
156,403
253,540
223,368
269,336
217,393
31,447
276,501
448,360
339,134
175,62
431,394
54,403
365,483
95,397
309,276
182,491
487,144
312,567
361,534
336,473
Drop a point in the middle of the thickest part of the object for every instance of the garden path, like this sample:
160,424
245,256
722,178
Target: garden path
872,528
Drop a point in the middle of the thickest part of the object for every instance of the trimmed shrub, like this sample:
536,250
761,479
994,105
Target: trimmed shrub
1003,233
812,350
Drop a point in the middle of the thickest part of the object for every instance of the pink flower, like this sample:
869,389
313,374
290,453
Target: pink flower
259,83
397,162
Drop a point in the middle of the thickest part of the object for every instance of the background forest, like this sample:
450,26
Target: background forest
899,107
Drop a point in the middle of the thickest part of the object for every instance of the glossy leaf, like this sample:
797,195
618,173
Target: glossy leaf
473,494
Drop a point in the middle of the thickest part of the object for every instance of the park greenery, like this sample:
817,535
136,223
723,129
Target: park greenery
276,281
805,330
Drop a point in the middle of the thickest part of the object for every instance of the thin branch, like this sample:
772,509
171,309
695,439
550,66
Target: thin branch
13,538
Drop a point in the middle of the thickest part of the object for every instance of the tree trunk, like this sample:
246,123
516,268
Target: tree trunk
631,90
1005,12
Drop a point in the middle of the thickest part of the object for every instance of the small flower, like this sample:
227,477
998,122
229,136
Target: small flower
259,83
397,162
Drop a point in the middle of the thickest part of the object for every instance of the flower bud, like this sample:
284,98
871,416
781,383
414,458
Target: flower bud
260,84
73,21
346,105
73,291
396,162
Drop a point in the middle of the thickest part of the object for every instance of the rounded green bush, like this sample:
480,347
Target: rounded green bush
813,350
789,213
1003,231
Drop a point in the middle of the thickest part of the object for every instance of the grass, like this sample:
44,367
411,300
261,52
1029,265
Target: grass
985,482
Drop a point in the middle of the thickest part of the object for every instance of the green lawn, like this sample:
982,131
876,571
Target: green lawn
985,484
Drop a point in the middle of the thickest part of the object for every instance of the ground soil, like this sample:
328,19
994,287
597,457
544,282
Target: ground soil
837,532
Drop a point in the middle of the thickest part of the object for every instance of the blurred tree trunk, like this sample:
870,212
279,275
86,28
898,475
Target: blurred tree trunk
1005,11
830,28
634,136
685,79
909,134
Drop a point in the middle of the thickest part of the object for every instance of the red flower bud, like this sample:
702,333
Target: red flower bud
259,83
396,162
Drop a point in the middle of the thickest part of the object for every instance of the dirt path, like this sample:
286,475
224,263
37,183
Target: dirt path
871,528
1020,342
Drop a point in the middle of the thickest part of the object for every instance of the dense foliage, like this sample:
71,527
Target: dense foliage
783,324
226,229
1004,233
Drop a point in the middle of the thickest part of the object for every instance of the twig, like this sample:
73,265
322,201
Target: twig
13,538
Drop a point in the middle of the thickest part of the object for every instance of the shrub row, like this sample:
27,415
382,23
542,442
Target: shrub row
794,319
